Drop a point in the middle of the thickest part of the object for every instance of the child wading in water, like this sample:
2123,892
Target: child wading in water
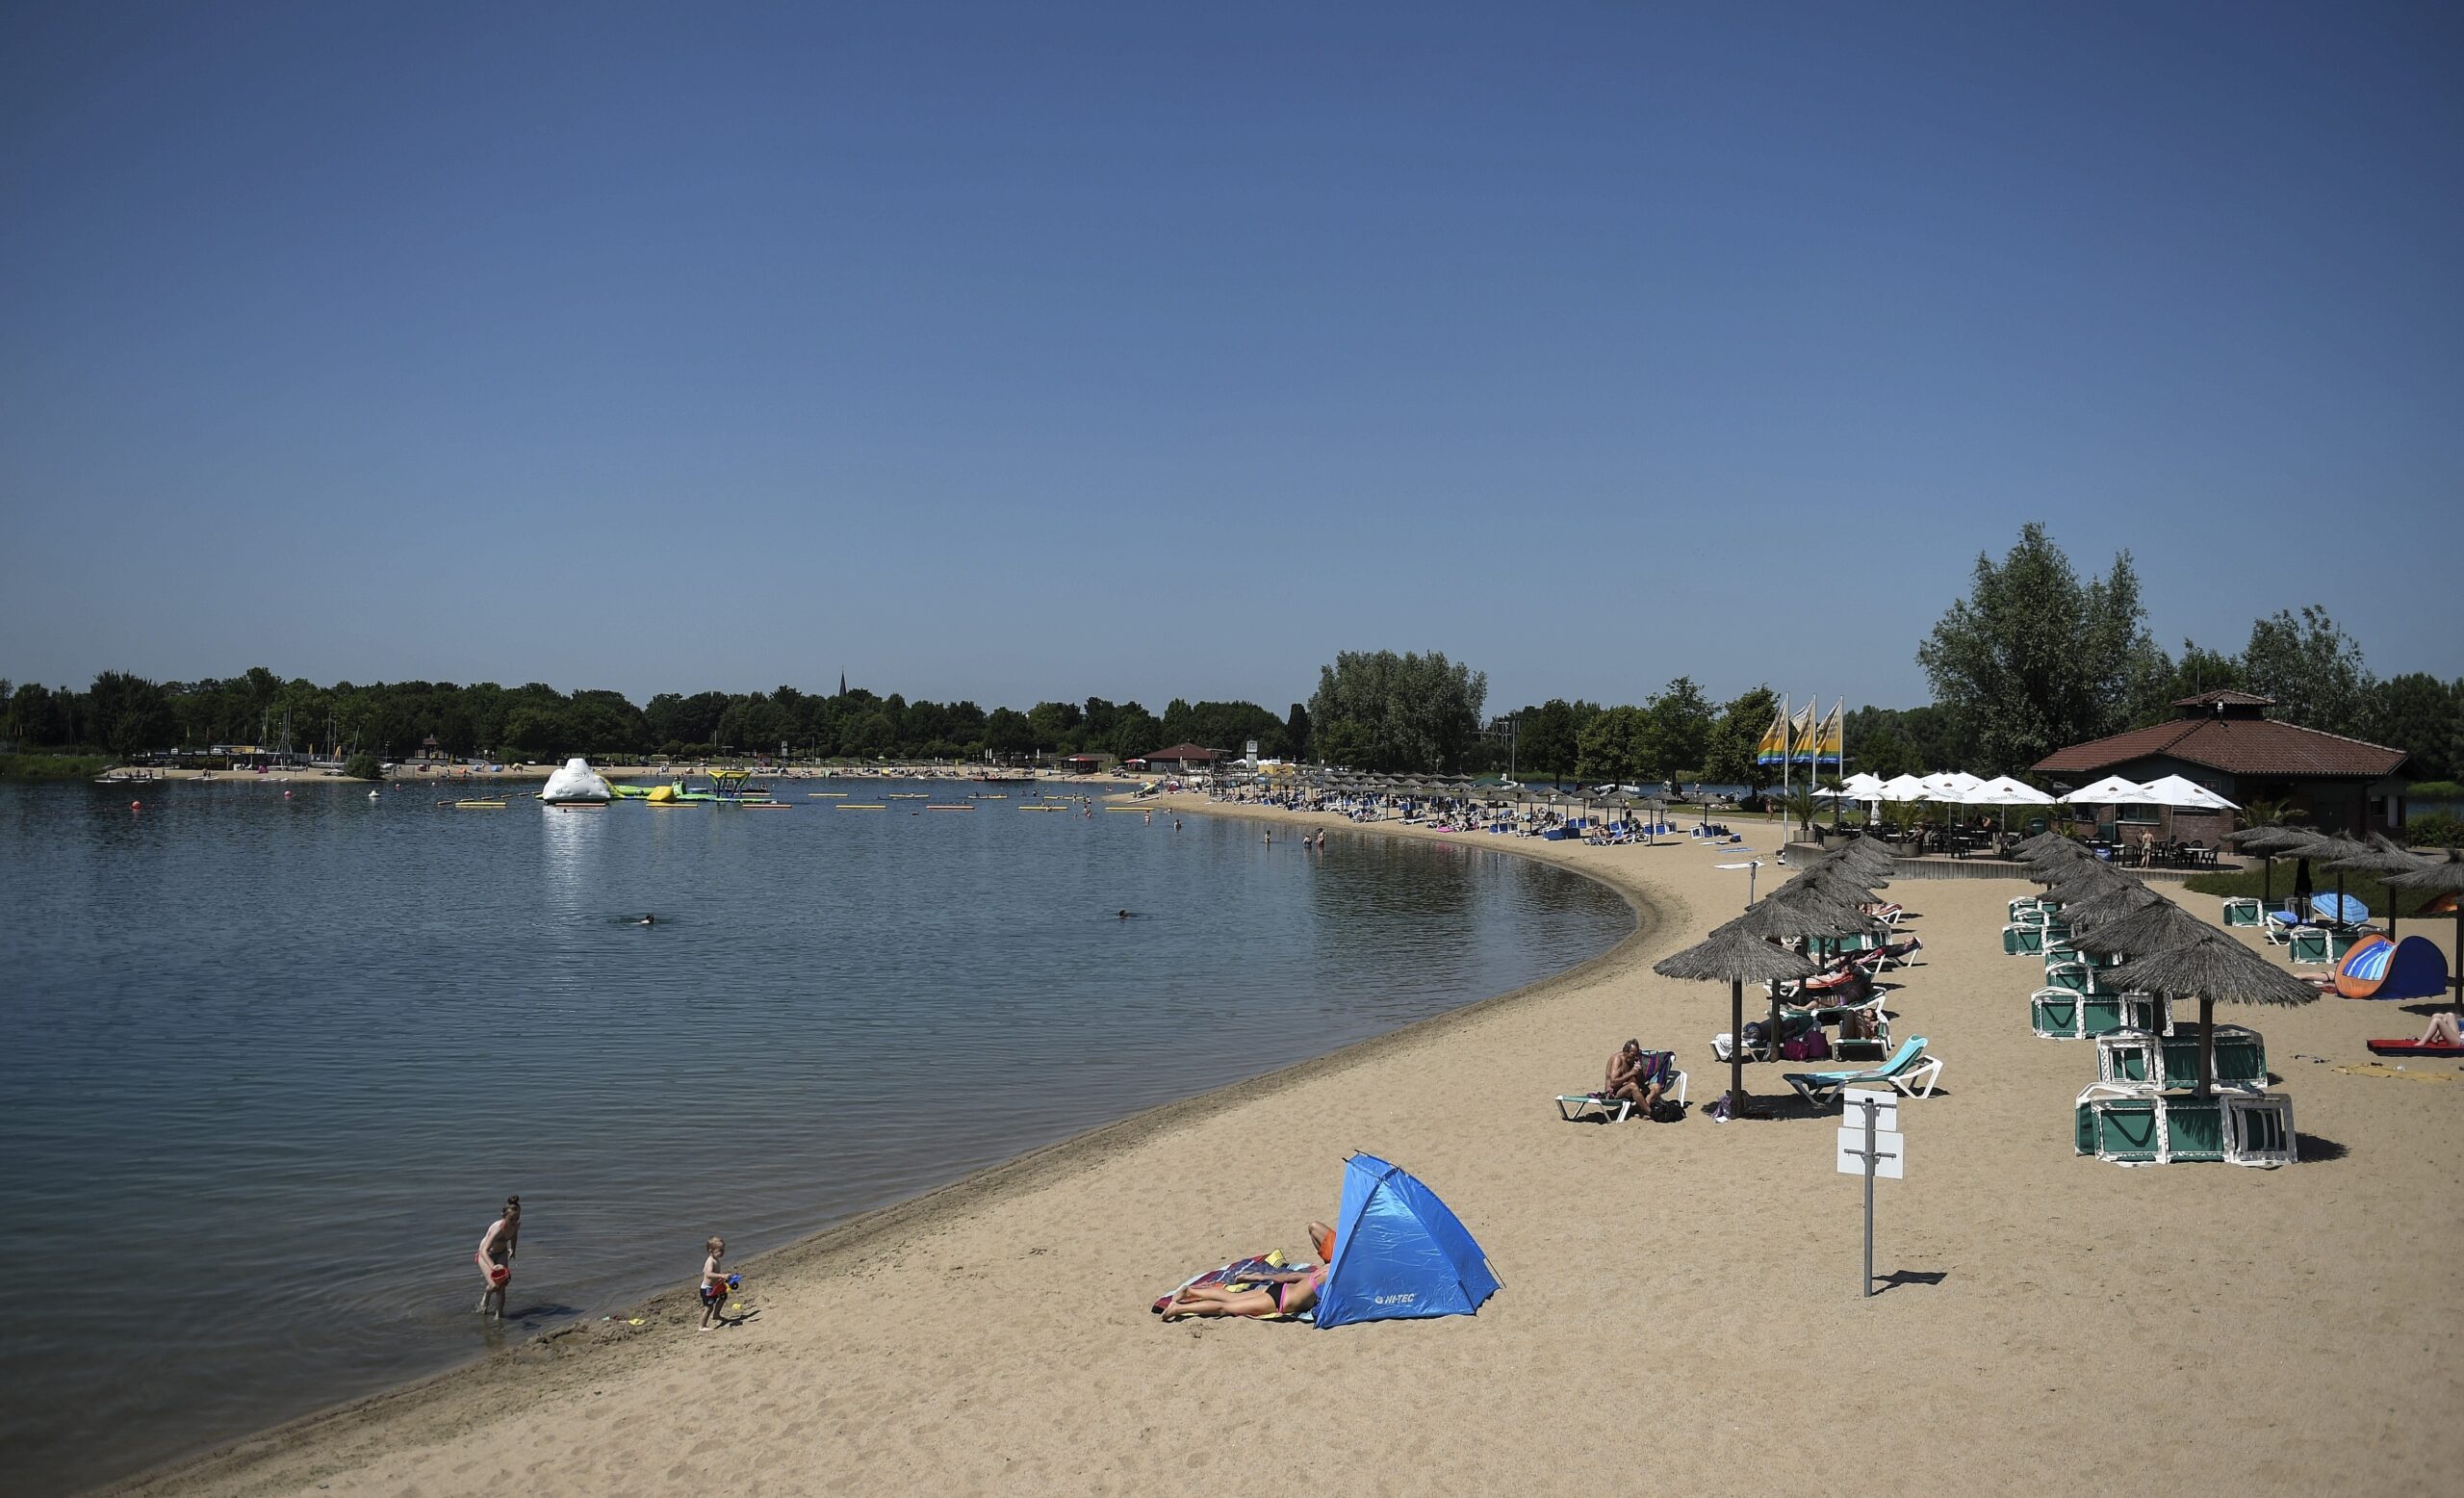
714,1284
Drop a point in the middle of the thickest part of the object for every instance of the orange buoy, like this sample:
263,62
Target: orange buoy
135,806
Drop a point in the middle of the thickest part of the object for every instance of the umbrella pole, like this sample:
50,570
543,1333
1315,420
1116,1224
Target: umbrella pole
1772,1036
2206,1048
1736,1049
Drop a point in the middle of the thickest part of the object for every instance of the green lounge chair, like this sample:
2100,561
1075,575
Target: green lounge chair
2241,911
2123,1124
2054,1014
2104,1012
2020,941
2310,948
1909,1073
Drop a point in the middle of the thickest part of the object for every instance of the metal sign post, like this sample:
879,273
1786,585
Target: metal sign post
1869,1147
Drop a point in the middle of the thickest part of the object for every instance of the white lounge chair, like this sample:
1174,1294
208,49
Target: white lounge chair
1909,1073
1571,1106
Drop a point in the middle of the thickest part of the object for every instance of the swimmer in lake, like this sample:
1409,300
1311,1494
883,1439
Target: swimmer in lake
1124,915
646,920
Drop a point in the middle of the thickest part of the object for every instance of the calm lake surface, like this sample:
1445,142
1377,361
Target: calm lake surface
273,1063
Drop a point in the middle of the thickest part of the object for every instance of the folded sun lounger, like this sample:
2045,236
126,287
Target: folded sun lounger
1909,1073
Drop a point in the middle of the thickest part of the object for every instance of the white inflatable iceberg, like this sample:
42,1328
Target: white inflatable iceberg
576,781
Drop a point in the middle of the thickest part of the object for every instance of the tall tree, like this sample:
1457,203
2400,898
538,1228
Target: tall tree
2034,658
2424,716
2313,669
1678,732
1409,712
1615,745
1728,753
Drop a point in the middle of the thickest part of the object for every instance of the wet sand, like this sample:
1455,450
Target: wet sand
1679,1310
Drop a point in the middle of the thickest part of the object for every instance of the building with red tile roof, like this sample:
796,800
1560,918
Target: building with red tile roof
2225,742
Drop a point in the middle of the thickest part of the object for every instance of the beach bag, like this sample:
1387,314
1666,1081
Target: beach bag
1667,1110
1812,1046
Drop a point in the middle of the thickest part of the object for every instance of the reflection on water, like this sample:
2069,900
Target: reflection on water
275,1063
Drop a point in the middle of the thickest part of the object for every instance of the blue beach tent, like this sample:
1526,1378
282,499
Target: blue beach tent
2410,969
1398,1252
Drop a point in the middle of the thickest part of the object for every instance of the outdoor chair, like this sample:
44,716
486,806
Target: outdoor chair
2310,948
1616,1110
1909,1073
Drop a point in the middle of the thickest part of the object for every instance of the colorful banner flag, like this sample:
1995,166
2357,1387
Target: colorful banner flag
1801,730
1774,748
1831,745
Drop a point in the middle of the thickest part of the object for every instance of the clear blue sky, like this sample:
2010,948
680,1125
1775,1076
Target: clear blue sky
1021,351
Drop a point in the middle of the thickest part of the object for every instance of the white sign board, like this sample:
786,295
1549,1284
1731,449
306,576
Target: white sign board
1888,1149
1852,1107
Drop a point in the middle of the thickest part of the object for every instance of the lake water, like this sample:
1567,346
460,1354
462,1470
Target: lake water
273,1063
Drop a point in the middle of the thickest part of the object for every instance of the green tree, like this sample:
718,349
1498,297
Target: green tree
1050,723
1549,737
2313,669
1678,735
1729,748
2034,658
132,715
1615,745
1417,712
2424,716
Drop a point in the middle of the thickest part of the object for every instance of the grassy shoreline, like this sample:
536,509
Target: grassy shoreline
54,767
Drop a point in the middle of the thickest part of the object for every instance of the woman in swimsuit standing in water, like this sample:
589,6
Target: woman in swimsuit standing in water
496,1252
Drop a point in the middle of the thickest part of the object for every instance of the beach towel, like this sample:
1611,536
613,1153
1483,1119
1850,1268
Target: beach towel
2394,1073
1242,1274
2400,1046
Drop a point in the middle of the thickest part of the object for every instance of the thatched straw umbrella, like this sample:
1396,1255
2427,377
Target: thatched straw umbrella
1739,956
2384,855
2333,851
2209,966
2084,884
2444,877
2267,841
2153,927
2123,899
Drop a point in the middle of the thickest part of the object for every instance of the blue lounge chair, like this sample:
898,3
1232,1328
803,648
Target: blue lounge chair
1909,1073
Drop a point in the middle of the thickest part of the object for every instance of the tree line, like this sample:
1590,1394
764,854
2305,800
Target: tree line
2034,658
129,715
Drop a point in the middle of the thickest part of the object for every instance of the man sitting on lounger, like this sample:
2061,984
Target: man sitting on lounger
1637,1076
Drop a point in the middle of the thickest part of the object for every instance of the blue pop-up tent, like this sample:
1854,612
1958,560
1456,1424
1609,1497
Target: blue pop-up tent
1398,1252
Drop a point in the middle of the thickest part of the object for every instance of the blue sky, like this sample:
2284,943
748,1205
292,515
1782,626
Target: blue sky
1024,351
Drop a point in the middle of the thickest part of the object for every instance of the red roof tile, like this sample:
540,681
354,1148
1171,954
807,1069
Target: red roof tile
1186,752
2226,695
2238,746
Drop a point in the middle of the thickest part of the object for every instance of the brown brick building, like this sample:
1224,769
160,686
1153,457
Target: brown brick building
2225,742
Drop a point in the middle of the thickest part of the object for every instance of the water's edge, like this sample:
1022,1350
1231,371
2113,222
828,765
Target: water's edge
516,1368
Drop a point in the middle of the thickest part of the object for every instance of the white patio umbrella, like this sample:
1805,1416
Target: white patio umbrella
1903,788
2003,790
1862,786
1951,786
2189,795
2004,793
2113,790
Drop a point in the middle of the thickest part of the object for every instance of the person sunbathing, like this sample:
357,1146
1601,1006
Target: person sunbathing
1635,1075
1287,1294
2444,1030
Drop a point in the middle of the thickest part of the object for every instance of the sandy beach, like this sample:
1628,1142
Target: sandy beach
1680,1311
